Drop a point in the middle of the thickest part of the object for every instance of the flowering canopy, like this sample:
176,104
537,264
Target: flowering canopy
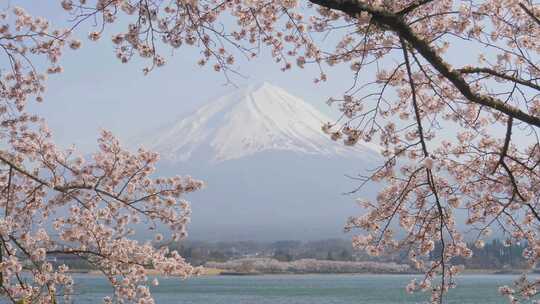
55,202
407,91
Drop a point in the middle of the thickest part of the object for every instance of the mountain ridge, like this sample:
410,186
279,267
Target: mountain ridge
248,121
271,172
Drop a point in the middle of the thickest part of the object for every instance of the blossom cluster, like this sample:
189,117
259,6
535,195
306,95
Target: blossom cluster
54,201
437,119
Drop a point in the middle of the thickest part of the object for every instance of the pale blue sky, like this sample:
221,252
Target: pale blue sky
97,91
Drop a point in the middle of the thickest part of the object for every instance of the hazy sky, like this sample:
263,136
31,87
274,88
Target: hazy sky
97,91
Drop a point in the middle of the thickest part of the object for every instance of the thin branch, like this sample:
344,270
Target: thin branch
412,7
398,25
507,139
530,13
471,70
415,102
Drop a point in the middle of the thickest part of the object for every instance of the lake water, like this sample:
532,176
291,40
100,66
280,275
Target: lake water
299,289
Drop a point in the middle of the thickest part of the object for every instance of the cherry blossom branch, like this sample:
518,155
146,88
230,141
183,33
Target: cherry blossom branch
507,140
471,70
403,30
530,13
413,6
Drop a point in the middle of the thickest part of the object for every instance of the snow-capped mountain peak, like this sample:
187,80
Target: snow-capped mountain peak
250,120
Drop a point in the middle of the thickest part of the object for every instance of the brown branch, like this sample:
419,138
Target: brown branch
513,181
530,13
429,174
10,177
22,171
471,70
506,145
414,100
413,6
441,232
395,23
66,190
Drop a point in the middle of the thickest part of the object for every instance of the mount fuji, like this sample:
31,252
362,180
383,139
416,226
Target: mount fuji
271,172
251,120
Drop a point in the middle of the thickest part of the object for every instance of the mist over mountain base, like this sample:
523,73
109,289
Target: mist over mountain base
271,172
273,196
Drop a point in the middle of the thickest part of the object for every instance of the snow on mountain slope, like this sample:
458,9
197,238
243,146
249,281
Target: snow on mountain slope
250,120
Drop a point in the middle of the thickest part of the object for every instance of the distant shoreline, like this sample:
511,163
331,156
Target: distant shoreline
224,273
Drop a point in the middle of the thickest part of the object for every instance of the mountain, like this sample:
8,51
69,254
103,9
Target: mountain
271,173
251,120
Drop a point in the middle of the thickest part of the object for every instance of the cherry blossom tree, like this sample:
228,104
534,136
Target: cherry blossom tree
54,201
449,89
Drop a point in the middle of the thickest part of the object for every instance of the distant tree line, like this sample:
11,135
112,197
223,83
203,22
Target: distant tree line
271,265
494,255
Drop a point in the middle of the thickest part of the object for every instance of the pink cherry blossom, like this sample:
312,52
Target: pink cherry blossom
456,135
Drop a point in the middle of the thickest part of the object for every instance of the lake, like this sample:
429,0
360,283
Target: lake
299,289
